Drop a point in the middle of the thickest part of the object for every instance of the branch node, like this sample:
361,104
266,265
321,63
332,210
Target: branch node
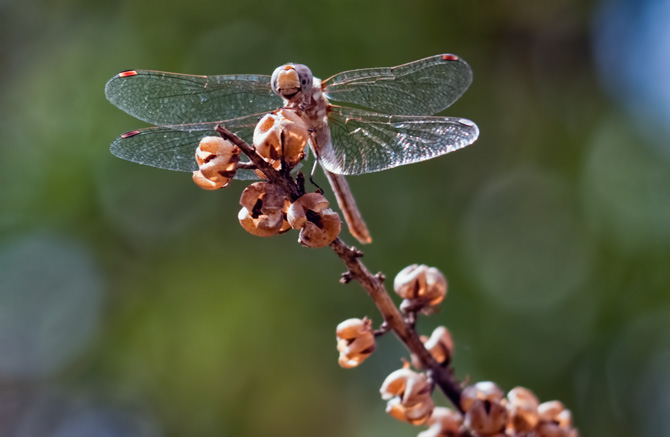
355,252
346,277
381,277
383,329
410,319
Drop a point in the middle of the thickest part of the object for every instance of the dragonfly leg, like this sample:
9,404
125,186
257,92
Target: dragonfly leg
311,176
345,199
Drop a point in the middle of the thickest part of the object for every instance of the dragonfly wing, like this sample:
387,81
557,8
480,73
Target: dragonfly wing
422,87
173,147
168,98
365,142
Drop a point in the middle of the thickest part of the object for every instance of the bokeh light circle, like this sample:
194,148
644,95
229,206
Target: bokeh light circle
50,302
524,240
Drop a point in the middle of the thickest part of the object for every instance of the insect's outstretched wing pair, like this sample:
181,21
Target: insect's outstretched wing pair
185,108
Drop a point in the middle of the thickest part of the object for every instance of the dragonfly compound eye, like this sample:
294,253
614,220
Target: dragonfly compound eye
306,78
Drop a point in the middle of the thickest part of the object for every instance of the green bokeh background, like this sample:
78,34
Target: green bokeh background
132,303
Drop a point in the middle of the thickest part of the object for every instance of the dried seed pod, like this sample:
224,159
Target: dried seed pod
261,212
297,212
410,282
416,414
323,233
355,341
204,183
217,160
486,417
408,395
440,344
279,135
444,422
550,411
436,286
555,421
552,429
265,225
420,286
318,225
522,407
484,390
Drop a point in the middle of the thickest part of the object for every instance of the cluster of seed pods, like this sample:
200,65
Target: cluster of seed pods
489,413
267,209
485,411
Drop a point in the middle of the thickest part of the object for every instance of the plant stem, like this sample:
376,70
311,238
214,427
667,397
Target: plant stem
373,285
280,178
441,375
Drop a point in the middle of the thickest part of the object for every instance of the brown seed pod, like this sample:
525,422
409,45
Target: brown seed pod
217,160
281,135
265,225
444,422
486,417
262,205
409,397
522,406
321,234
318,225
421,286
355,341
206,184
440,344
484,390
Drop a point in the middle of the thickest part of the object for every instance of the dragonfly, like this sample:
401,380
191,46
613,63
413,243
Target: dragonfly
363,120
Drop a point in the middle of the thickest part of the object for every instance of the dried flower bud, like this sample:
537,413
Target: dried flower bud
552,429
318,225
484,390
262,204
297,212
217,159
416,414
420,285
522,407
555,421
486,417
281,135
408,395
550,411
355,341
440,344
205,183
444,422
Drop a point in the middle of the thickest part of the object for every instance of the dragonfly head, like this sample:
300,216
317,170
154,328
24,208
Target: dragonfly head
292,82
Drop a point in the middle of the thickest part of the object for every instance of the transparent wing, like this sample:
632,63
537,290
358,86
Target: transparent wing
422,87
365,142
173,147
168,98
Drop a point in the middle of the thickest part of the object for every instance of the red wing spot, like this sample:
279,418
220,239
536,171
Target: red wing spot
132,133
449,58
128,73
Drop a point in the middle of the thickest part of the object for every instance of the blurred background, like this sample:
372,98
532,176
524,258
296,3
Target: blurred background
133,304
